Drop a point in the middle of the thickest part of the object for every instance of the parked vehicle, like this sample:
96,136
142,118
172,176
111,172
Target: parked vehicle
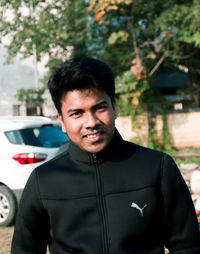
25,143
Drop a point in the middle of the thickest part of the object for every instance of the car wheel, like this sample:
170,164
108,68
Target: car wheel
8,206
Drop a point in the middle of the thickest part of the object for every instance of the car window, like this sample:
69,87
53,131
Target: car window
14,137
44,136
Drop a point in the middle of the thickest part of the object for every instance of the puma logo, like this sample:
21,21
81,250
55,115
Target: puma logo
134,205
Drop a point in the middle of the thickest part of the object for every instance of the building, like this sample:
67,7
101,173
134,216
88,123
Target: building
174,86
16,75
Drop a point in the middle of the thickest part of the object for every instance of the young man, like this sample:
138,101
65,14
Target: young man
103,195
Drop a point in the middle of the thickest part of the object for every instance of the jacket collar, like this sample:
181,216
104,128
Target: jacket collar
111,151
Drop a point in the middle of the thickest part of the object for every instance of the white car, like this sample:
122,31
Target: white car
25,143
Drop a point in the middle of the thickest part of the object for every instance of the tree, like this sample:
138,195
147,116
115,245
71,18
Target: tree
33,100
153,32
57,28
182,19
133,25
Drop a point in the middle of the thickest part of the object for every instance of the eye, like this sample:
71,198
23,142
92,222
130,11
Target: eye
101,107
75,114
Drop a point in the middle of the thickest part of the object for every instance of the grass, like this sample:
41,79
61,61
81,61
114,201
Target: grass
180,161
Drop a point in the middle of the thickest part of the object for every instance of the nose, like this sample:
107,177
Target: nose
91,120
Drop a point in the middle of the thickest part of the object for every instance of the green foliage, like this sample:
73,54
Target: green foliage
162,33
194,38
31,96
182,20
118,36
61,27
180,161
138,98
57,28
129,92
126,83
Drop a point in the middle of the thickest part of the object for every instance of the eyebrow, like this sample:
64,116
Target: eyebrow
102,102
72,110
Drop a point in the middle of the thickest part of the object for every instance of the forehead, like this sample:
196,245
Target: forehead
84,97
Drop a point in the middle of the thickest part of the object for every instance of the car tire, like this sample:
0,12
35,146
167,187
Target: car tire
8,206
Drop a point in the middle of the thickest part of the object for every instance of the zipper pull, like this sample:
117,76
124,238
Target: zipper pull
94,156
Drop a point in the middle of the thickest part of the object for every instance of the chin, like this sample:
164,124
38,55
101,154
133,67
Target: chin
94,149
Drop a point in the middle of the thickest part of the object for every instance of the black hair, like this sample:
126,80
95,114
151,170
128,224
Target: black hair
80,73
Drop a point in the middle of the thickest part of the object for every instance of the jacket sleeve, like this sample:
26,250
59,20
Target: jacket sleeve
180,222
31,234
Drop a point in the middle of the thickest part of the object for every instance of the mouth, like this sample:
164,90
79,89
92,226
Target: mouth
94,137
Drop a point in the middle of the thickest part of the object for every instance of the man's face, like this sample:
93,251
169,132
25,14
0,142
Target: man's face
88,118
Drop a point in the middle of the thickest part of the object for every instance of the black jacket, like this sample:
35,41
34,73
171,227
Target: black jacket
125,199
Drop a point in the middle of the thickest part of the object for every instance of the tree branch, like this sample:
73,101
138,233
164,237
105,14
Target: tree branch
188,56
166,54
132,30
146,43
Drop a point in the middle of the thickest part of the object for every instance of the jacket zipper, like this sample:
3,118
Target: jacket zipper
101,205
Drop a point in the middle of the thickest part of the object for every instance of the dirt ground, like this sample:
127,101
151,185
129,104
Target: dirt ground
5,239
6,234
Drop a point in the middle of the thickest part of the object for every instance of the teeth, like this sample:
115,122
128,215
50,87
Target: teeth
93,136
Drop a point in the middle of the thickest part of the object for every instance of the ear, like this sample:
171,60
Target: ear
60,118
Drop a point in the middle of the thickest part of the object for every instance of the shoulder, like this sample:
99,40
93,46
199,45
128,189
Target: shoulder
148,160
57,163
141,151
52,175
